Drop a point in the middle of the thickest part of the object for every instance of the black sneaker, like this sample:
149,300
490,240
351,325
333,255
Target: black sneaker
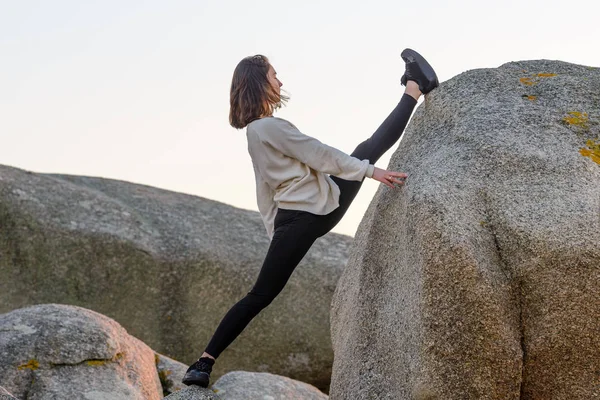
199,372
418,70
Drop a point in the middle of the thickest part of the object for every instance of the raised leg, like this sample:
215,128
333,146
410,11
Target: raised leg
373,148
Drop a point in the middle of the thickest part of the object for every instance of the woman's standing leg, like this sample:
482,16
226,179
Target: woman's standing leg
293,236
291,241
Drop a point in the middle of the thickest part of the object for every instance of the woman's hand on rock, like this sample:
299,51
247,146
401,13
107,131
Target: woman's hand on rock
389,177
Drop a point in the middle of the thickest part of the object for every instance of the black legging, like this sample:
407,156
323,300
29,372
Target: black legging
296,231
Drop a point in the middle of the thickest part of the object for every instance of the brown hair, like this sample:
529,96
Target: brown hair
251,95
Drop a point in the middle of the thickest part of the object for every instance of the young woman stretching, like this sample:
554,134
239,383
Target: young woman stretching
304,187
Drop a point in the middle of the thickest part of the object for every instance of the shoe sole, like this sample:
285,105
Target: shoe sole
198,382
409,55
190,383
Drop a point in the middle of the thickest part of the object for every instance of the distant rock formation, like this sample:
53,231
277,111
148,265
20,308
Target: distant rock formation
165,265
481,277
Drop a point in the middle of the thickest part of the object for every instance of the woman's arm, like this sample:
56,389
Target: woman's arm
285,137
266,204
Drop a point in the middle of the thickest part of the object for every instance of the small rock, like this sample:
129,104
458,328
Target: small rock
194,393
242,385
171,373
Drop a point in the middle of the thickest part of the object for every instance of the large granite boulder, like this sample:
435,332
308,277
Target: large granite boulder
480,278
61,351
165,265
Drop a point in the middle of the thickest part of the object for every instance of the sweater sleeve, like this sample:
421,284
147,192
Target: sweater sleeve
266,204
286,138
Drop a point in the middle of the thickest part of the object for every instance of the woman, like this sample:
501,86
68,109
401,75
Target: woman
298,200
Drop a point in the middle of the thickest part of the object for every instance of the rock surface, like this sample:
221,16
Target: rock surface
165,265
61,351
5,395
171,373
194,393
242,385
480,277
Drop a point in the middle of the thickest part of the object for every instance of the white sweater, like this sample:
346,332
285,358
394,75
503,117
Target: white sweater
290,169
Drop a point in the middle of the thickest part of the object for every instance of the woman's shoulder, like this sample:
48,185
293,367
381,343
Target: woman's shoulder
269,121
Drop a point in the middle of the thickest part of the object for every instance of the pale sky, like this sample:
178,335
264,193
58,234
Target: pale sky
139,90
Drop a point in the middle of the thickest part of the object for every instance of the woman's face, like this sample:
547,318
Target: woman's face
273,80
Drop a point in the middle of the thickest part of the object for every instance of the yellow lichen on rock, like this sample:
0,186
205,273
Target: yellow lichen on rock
164,374
95,363
527,81
593,151
32,364
577,118
117,357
